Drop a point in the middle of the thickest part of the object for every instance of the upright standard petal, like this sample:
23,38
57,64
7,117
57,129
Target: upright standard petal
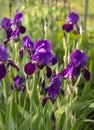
78,58
6,23
42,46
72,18
17,18
27,43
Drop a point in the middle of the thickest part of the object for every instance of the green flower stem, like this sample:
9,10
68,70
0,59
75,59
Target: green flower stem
33,96
66,49
85,12
8,113
4,89
45,29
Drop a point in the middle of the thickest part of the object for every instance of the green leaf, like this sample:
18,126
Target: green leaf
87,91
25,125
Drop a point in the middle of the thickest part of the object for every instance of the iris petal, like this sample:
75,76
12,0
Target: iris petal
43,58
29,68
3,53
67,27
86,74
3,71
10,62
72,18
42,46
27,43
49,72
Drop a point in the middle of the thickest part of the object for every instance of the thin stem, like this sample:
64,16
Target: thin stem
85,12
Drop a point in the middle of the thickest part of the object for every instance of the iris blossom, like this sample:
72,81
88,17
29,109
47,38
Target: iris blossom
77,63
71,20
27,44
18,83
3,60
53,90
13,27
40,55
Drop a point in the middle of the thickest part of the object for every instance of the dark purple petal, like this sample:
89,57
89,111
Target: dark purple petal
23,87
78,58
29,68
6,41
72,18
22,29
17,81
3,53
67,27
10,62
3,71
45,100
42,46
53,88
66,73
49,72
78,29
27,43
43,58
86,74
54,61
9,32
15,34
62,91
21,52
76,72
17,18
6,23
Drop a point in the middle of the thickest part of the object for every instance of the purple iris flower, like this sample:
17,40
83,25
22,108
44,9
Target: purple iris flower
53,90
71,20
17,22
18,83
3,60
77,63
6,25
40,57
27,44
13,28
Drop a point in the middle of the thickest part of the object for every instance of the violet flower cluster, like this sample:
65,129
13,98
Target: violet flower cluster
77,63
53,90
71,21
14,27
40,55
18,83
